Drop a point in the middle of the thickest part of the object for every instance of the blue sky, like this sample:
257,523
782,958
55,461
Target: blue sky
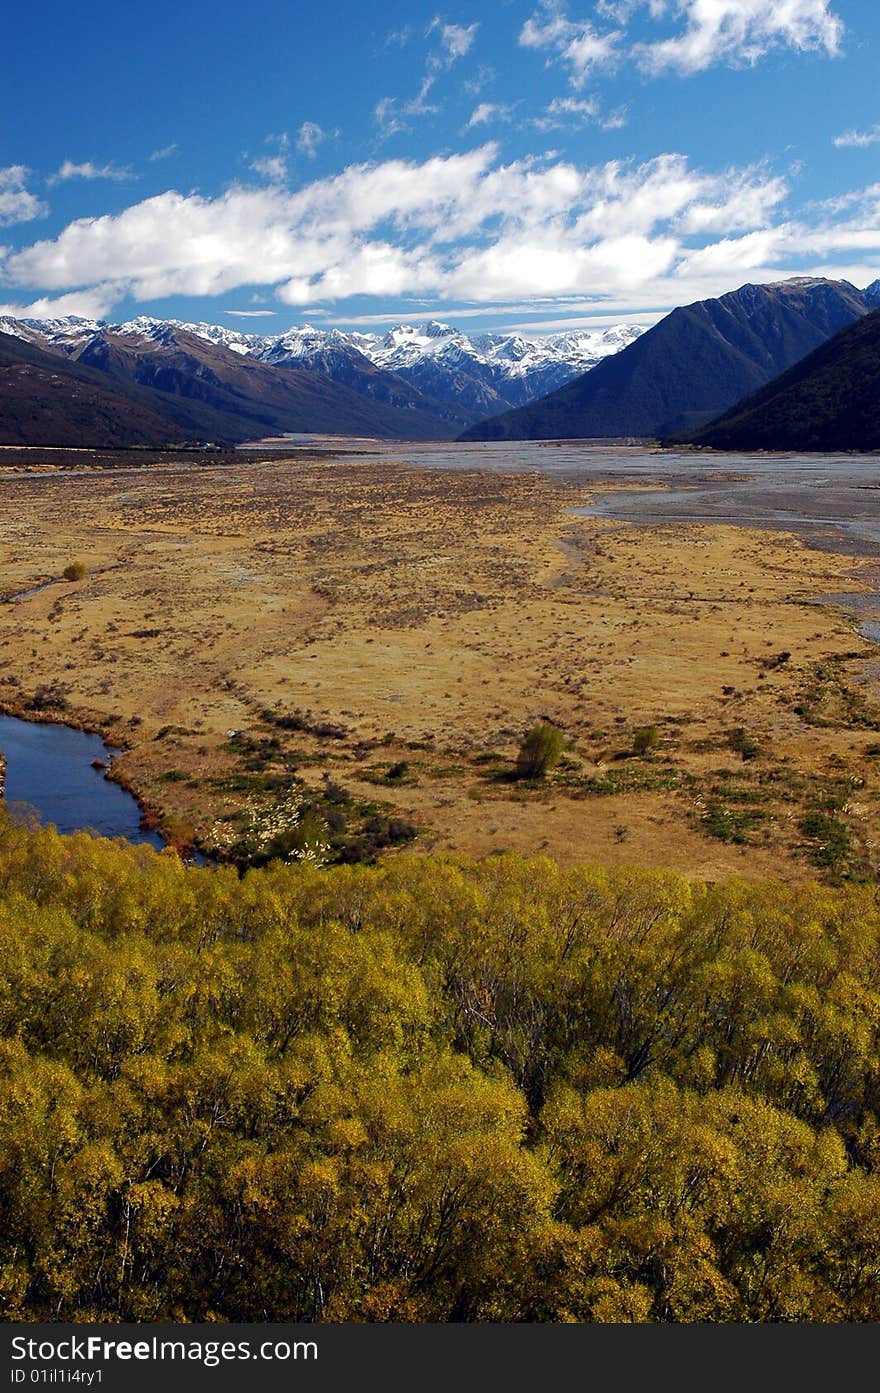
530,165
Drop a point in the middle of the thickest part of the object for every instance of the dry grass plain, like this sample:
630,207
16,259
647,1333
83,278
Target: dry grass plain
390,633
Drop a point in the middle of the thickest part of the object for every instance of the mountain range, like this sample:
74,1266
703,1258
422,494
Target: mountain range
830,400
157,382
692,365
196,382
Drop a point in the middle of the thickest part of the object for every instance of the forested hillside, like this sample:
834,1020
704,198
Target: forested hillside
432,1090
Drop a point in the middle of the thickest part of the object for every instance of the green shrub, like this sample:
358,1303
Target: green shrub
645,738
743,743
831,839
540,751
77,570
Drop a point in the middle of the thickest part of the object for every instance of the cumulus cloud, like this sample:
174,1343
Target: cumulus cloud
742,32
857,139
707,32
93,303
87,170
17,203
461,227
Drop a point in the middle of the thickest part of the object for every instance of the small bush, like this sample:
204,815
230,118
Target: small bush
540,751
645,738
77,570
744,744
831,839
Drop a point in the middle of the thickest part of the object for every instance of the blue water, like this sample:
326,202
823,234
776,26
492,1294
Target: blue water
49,768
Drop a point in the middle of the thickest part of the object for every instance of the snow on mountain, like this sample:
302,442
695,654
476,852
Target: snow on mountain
491,372
19,329
516,356
61,333
481,373
245,344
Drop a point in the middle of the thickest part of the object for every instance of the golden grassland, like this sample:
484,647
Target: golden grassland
256,632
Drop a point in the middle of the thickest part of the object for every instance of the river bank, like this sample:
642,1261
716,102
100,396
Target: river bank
369,640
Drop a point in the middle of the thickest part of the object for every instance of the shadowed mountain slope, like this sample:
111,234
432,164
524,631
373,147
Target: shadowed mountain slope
45,400
210,390
828,401
691,366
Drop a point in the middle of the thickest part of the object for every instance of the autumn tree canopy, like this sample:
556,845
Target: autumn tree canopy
432,1090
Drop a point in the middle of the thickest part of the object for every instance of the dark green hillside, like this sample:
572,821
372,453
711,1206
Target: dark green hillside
696,362
830,401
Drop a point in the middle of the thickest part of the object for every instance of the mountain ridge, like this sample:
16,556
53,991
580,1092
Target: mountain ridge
46,401
431,368
211,393
830,400
691,366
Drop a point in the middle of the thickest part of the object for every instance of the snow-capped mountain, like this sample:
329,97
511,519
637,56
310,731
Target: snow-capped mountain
486,372
479,374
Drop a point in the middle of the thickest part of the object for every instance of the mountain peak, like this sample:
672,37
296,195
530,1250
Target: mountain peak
871,294
689,367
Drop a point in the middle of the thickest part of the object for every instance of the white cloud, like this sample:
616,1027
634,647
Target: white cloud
88,170
489,111
746,199
858,139
576,43
17,203
733,32
615,120
386,116
581,311
399,38
741,32
455,39
419,104
389,112
566,111
164,153
271,167
632,237
94,303
309,137
251,314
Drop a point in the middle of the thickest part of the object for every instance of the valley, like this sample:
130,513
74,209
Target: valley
330,654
